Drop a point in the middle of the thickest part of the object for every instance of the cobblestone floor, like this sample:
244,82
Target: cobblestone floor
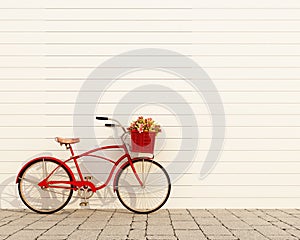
170,224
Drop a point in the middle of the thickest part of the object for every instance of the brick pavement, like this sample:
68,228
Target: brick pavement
166,224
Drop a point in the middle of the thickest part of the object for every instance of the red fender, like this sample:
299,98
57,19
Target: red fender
122,167
45,157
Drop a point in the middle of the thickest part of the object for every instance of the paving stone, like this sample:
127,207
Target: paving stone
140,217
122,213
49,237
120,221
200,213
93,224
9,230
22,222
215,230
291,221
2,223
157,237
54,217
117,237
248,235
137,234
207,221
113,230
26,234
291,211
282,238
283,225
222,238
4,214
269,218
105,216
159,213
294,232
184,225
159,221
190,234
175,217
61,230
257,221
277,213
227,218
72,221
84,235
257,212
41,225
138,225
236,225
161,230
220,212
82,213
179,211
242,213
271,230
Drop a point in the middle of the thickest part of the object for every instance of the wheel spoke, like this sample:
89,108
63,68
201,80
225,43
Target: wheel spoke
30,181
151,195
44,200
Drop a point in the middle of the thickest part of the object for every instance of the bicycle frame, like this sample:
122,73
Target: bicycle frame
81,183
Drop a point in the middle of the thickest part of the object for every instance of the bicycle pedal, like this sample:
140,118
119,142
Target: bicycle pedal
83,204
88,178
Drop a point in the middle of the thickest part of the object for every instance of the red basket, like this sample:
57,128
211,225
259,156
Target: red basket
142,142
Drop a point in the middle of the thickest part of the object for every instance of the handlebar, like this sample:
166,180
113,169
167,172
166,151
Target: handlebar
111,124
102,118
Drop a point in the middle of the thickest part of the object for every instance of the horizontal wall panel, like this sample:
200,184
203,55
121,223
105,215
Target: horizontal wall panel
82,73
164,120
171,145
44,131
60,108
95,61
288,158
189,97
150,13
67,85
151,37
178,167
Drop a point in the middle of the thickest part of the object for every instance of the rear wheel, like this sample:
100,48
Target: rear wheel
151,195
45,200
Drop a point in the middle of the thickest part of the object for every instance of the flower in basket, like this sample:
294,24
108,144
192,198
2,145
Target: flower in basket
144,125
143,132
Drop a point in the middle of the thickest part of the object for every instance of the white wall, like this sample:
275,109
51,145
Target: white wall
250,50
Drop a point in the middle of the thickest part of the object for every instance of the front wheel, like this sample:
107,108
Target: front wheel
45,200
151,195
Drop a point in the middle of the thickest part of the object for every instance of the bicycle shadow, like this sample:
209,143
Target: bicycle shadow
100,170
9,189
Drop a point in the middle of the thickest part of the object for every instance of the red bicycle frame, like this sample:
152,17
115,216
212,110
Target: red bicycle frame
78,184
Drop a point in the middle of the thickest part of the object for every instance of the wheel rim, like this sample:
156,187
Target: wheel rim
47,199
147,198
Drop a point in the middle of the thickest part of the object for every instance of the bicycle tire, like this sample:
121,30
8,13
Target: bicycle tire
47,200
128,187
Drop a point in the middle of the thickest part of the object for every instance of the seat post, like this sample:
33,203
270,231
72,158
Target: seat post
69,146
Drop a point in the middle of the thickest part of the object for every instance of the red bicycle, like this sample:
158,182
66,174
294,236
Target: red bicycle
46,184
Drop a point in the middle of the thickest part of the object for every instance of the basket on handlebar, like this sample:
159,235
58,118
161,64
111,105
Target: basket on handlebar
143,132
142,142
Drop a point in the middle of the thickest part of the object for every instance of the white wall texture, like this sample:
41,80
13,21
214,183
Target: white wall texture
250,50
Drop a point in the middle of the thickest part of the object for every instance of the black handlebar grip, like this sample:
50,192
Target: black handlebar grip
102,118
109,125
